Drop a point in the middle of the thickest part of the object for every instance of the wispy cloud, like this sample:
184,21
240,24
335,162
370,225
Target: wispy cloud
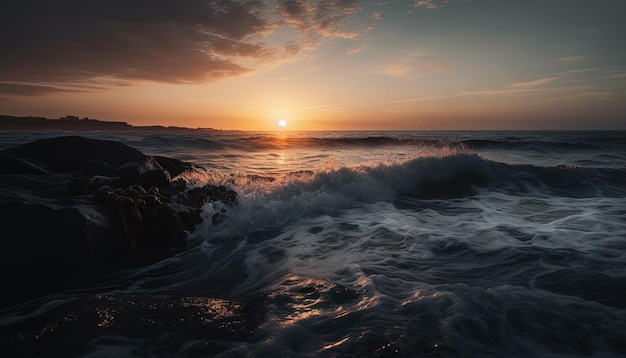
563,88
355,50
430,4
552,93
28,89
397,69
321,19
572,59
618,76
323,106
413,64
534,83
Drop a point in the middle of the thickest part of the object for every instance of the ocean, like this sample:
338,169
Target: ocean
367,244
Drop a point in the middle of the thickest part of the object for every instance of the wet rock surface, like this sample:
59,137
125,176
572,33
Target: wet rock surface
73,208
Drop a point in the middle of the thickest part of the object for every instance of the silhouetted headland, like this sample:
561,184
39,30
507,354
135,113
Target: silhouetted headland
74,123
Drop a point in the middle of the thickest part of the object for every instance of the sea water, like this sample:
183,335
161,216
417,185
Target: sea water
366,244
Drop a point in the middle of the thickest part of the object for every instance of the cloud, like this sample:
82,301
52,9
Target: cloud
70,41
48,46
397,69
404,64
534,83
27,89
413,63
355,50
571,59
430,4
321,19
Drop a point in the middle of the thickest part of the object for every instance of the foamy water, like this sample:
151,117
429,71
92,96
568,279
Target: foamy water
450,244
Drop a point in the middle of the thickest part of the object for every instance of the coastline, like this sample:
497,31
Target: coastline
72,123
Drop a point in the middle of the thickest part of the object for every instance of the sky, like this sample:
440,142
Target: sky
318,64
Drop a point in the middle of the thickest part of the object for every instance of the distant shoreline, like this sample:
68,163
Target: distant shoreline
73,123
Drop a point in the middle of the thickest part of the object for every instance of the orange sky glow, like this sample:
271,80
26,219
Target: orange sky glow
322,65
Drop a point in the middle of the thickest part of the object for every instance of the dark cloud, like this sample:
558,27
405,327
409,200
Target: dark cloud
321,19
26,89
67,41
294,9
50,46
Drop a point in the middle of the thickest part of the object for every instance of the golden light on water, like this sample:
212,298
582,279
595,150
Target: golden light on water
335,344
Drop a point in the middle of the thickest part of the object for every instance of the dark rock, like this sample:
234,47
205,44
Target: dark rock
13,165
45,247
202,195
92,167
155,177
80,219
131,173
87,185
34,188
173,166
146,222
67,154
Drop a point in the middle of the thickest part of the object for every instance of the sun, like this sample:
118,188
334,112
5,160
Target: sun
282,123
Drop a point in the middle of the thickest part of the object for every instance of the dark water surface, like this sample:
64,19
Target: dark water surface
367,244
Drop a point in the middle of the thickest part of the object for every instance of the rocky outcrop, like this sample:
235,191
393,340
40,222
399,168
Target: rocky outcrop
72,208
12,165
68,154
